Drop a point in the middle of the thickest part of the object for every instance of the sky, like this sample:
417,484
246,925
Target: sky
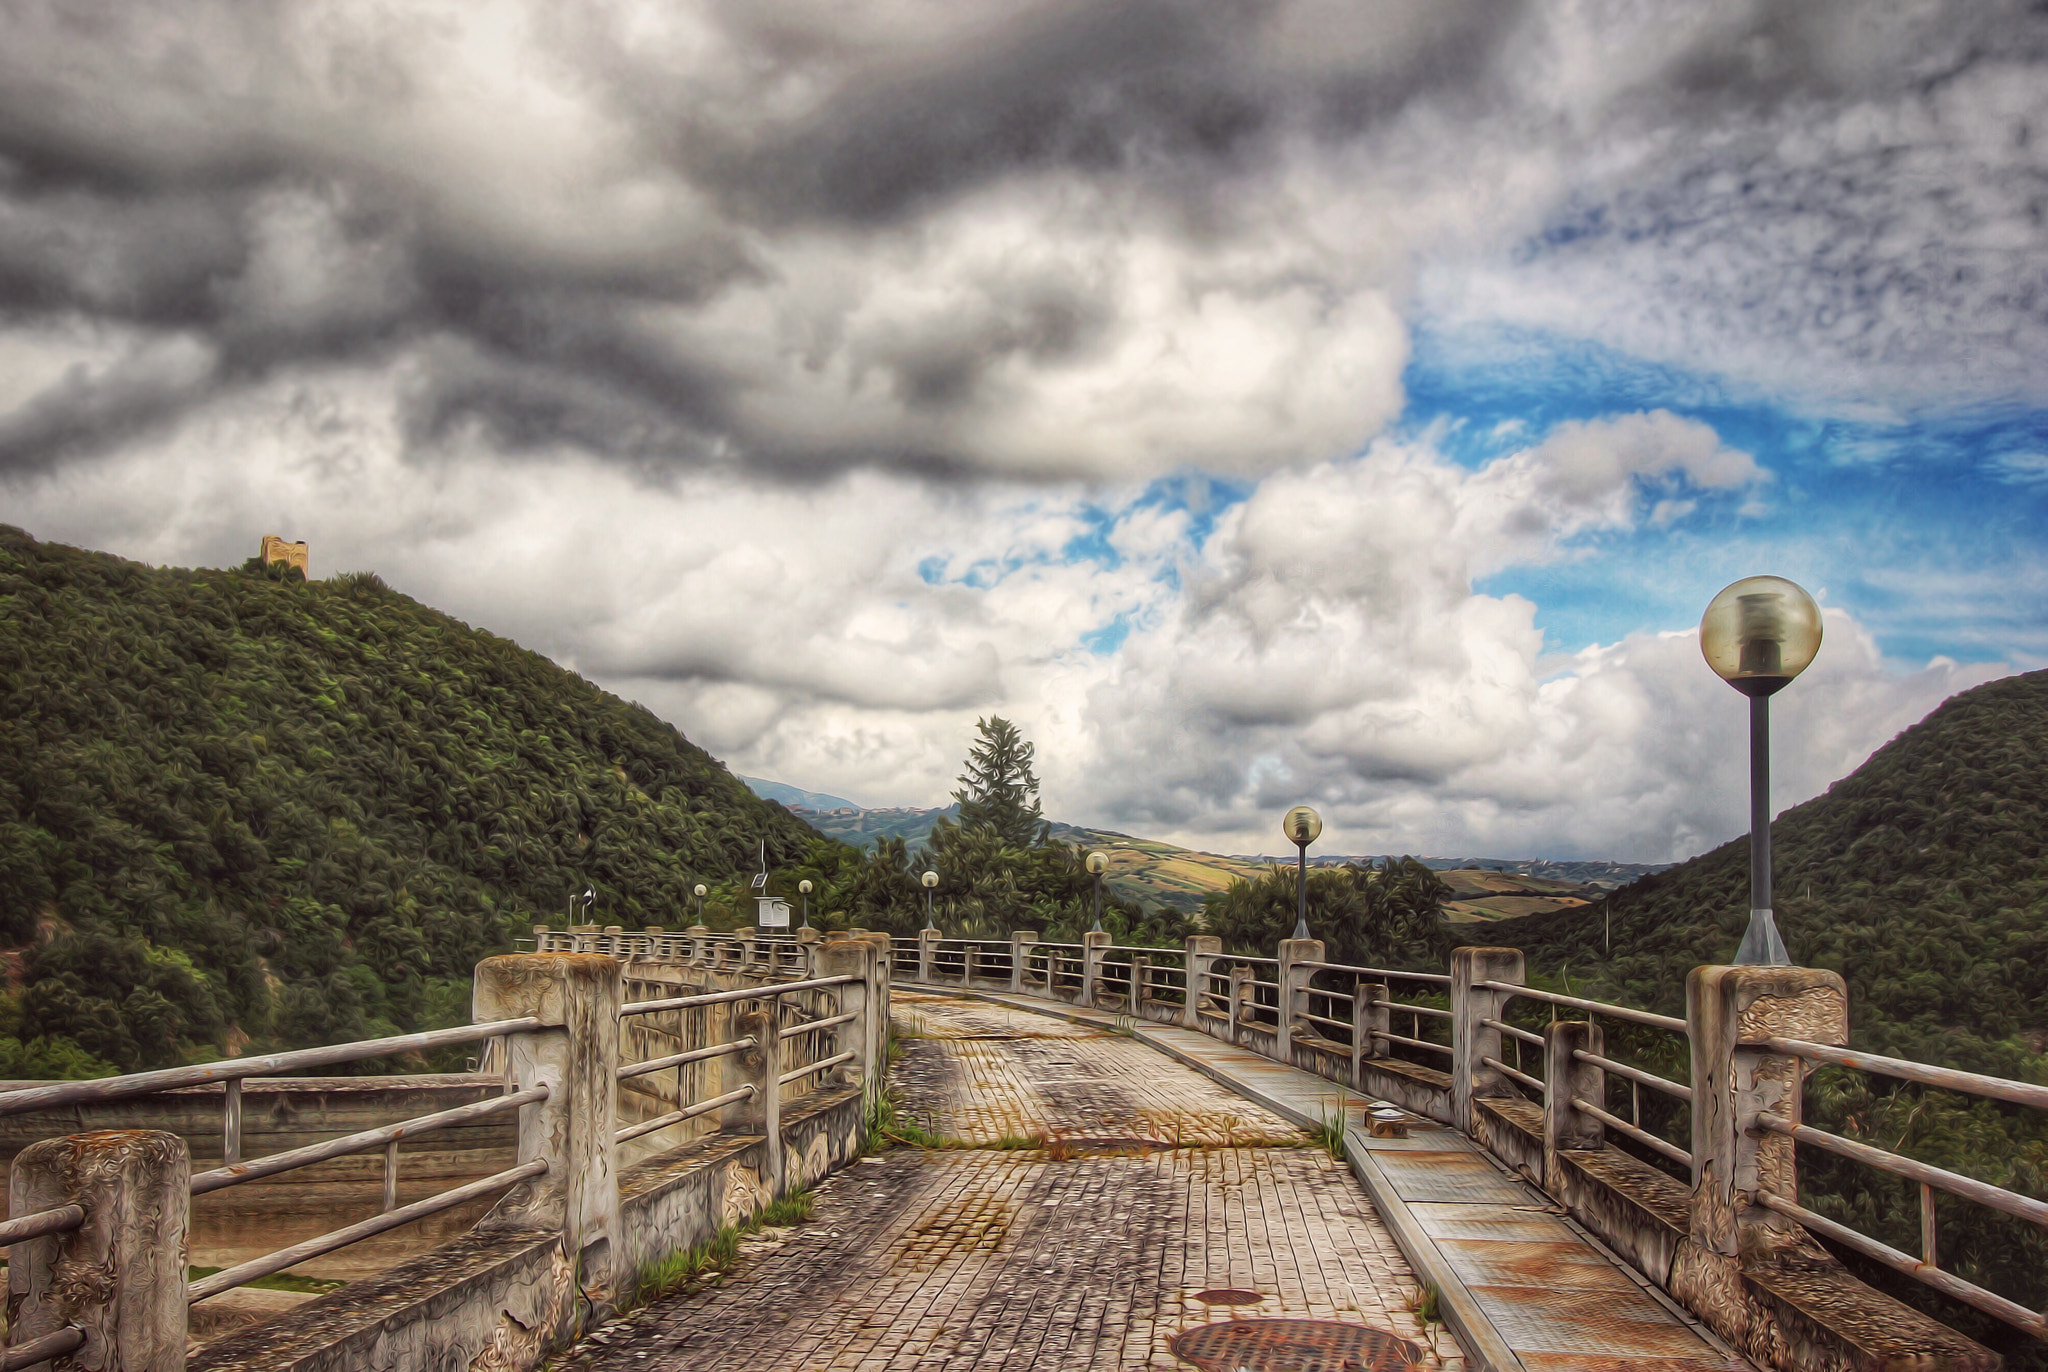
1258,401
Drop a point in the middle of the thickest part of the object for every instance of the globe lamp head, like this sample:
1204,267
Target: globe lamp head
804,887
930,880
1760,633
1302,826
1098,863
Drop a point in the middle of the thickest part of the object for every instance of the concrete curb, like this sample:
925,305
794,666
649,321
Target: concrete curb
1484,1348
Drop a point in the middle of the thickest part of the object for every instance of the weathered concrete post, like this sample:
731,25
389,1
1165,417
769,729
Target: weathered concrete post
927,951
1203,950
576,1056
760,1113
846,957
120,1276
1294,980
1729,1011
1369,1016
1566,1126
1092,946
1141,976
1470,1039
1020,957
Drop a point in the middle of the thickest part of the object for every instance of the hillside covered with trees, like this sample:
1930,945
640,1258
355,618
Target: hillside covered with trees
242,809
1923,879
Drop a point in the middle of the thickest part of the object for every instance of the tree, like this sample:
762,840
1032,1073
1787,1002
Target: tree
999,792
1388,914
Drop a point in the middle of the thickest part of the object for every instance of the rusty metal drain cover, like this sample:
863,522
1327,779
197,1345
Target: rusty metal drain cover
1229,1295
1295,1346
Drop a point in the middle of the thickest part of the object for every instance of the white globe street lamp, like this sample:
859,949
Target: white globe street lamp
930,879
1757,635
1098,863
804,889
1302,826
701,891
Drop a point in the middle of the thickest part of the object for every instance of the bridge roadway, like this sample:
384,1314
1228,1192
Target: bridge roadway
1161,1185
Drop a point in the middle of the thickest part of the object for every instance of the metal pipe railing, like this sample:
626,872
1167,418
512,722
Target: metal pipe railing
269,1065
689,1112
782,988
272,1164
242,1274
1594,1007
61,1219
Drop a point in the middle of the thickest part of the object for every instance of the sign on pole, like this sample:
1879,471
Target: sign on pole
771,913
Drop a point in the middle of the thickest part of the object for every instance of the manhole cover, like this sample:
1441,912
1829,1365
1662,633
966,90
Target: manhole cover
1229,1295
1294,1346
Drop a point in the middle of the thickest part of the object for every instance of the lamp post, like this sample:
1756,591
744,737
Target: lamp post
1302,826
701,891
1757,635
1098,863
804,889
930,879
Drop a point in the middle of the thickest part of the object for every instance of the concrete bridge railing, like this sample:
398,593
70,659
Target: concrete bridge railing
1705,1204
731,1076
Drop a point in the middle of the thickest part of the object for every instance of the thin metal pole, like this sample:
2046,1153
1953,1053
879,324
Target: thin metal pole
1760,802
1098,903
1761,944
1301,890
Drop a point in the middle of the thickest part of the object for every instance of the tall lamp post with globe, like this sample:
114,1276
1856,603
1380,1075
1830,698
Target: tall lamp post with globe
1098,863
929,879
1302,826
1757,635
804,889
701,891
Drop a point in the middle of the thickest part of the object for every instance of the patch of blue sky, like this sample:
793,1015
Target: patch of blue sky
1109,637
1914,523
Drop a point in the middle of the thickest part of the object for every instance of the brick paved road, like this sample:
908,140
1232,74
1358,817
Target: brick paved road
1012,1258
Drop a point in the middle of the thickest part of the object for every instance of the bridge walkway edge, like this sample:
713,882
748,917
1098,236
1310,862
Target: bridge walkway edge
1666,1338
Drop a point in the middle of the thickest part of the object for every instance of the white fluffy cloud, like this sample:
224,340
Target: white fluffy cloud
1323,640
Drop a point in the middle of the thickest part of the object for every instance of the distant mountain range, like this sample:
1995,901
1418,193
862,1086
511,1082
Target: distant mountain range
1158,873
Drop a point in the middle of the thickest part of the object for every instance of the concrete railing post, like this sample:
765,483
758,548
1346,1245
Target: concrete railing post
1092,946
761,1068
1294,980
1020,958
1565,1126
846,957
1203,950
1240,996
1471,1040
1729,1012
1141,976
576,1056
1369,1016
120,1276
927,950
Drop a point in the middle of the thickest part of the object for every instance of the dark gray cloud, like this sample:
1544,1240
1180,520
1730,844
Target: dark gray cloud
804,236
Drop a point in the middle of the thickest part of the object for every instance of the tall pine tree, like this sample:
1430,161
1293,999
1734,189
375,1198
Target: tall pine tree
999,792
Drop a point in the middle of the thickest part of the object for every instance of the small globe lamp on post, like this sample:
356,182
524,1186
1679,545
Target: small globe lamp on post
930,879
804,889
1758,634
701,892
1098,863
1302,826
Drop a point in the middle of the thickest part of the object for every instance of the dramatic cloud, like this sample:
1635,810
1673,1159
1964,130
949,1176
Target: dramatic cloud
1043,239
826,375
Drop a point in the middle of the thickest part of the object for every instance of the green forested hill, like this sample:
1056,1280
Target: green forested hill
239,809
1923,879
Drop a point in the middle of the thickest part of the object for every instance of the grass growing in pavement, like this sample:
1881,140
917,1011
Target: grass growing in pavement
716,1253
1329,1135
